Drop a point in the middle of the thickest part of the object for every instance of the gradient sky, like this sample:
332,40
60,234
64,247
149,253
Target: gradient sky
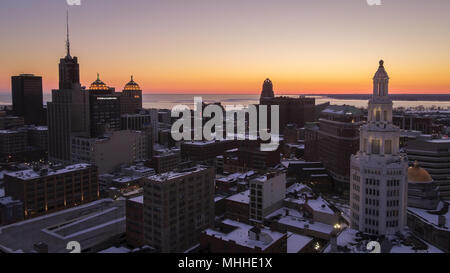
231,46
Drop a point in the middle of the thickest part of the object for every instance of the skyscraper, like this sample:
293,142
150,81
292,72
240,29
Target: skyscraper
378,174
27,98
104,108
69,69
131,99
68,113
338,140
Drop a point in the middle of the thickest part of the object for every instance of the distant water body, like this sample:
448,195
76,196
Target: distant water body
167,101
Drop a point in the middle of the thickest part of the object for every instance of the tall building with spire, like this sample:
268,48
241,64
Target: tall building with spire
68,113
378,180
69,69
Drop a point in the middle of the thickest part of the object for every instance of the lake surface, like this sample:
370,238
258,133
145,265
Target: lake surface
167,101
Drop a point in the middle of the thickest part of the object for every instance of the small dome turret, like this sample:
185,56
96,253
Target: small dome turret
99,85
132,85
416,174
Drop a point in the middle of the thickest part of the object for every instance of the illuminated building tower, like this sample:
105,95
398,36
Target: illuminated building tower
104,108
378,174
131,99
68,112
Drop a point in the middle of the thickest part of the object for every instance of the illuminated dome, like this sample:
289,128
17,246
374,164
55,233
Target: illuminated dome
99,85
132,86
417,174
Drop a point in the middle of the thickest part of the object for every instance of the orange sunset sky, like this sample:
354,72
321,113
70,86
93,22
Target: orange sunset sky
231,46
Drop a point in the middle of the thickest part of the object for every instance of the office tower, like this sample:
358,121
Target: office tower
131,99
68,113
379,186
338,140
112,150
135,121
296,111
177,207
43,191
27,98
104,108
10,122
12,143
433,154
266,195
145,119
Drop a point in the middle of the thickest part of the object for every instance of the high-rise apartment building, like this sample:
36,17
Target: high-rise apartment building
27,98
177,207
379,186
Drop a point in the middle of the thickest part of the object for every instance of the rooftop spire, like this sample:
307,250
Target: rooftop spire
98,76
68,38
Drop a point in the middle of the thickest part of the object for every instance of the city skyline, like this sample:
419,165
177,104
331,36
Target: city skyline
177,47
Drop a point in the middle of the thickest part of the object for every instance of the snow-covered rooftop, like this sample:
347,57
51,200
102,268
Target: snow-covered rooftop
242,197
319,205
294,218
432,218
174,174
352,241
116,250
138,199
296,242
32,174
240,235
